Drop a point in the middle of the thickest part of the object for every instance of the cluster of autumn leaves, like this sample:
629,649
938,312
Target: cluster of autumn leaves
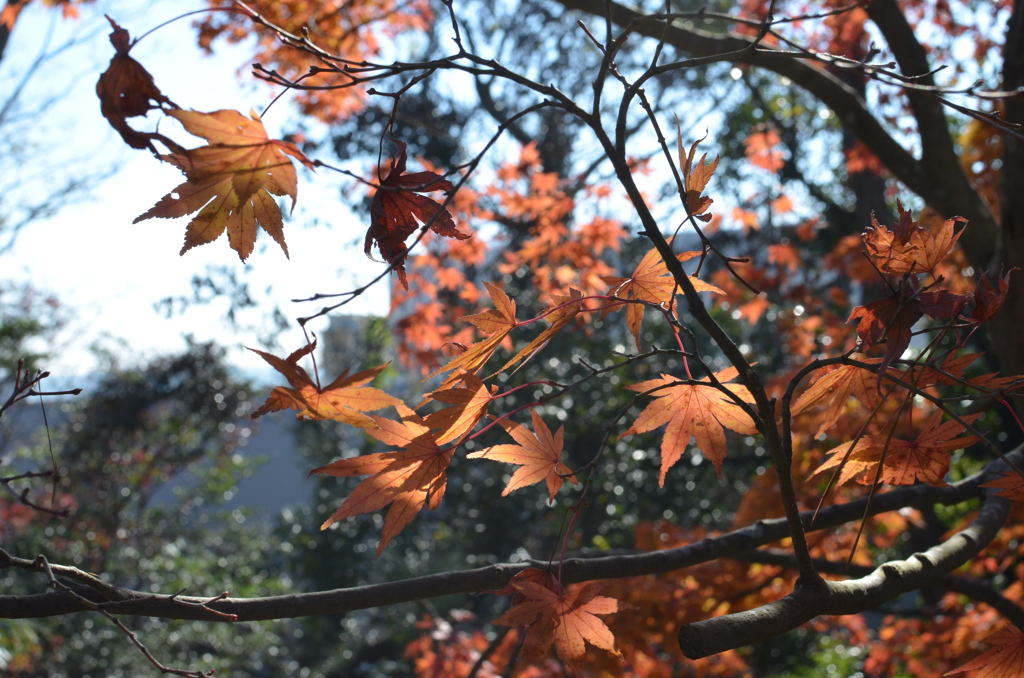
231,184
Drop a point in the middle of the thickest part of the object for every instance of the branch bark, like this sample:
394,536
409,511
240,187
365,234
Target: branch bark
121,601
813,598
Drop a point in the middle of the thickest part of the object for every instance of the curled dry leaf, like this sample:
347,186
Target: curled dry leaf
695,178
397,211
987,299
909,248
231,181
127,90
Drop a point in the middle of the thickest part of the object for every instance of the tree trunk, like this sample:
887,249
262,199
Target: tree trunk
1005,329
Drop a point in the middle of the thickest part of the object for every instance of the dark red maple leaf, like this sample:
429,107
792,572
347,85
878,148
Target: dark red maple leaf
987,299
397,211
890,320
127,90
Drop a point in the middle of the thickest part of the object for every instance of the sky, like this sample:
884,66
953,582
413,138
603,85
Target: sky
106,271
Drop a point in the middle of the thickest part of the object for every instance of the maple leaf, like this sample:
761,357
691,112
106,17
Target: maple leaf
127,90
559,318
542,577
909,247
651,282
988,301
1011,485
397,211
231,181
497,322
468,406
763,150
695,178
538,454
890,319
565,619
1004,660
835,388
923,458
692,411
408,479
344,399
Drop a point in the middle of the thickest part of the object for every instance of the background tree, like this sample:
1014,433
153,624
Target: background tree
788,269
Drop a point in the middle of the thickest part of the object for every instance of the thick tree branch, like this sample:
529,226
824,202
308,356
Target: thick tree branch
835,94
137,603
942,185
811,599
950,192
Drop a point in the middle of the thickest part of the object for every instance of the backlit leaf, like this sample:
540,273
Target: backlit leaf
344,399
565,619
692,411
1005,659
408,479
651,282
397,211
538,455
231,181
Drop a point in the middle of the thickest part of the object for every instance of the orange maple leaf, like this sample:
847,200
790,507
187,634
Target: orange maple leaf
1011,485
565,619
497,322
397,211
1004,660
231,181
651,282
692,411
538,454
763,150
785,255
925,457
833,389
468,406
126,90
408,479
344,399
558,317
695,178
909,247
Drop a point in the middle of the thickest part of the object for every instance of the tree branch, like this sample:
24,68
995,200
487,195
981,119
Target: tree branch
121,601
811,599
950,191
940,184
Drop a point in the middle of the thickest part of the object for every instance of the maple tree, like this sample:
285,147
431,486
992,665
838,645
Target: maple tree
837,348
